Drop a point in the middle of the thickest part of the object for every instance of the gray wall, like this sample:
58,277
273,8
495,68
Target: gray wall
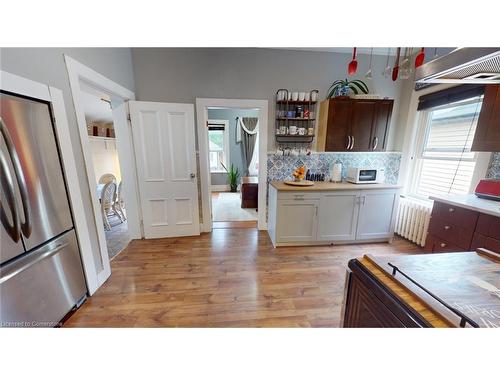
182,75
46,65
235,155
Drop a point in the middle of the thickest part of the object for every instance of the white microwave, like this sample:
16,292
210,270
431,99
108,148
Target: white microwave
365,176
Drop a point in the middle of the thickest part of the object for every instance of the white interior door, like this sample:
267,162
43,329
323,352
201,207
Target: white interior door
166,168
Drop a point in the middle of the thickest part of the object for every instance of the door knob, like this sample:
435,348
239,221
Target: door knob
192,175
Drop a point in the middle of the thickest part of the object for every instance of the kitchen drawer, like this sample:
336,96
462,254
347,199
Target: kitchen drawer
451,232
439,245
489,243
455,215
298,195
489,226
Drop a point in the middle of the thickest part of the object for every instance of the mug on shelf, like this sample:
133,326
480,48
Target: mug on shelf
310,131
290,114
307,96
314,96
302,96
295,96
293,129
302,131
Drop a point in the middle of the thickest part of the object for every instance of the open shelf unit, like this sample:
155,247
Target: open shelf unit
288,127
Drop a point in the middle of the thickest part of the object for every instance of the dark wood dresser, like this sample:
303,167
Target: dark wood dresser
455,228
428,290
249,192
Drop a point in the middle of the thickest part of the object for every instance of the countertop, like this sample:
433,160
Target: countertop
471,202
327,186
466,280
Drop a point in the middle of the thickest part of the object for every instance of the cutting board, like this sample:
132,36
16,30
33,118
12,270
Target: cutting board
300,183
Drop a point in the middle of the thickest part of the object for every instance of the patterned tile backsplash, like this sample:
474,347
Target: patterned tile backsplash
281,167
494,168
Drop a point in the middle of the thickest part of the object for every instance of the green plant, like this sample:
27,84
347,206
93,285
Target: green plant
233,175
341,87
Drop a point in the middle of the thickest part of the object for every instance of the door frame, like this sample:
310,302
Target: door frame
20,85
78,73
201,119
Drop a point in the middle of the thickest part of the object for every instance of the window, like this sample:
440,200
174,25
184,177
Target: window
444,162
218,145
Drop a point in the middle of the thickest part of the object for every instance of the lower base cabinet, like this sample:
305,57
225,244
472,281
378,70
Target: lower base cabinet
331,216
368,304
338,216
302,226
376,211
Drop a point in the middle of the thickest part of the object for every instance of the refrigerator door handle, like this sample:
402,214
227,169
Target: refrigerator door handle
26,262
26,226
7,182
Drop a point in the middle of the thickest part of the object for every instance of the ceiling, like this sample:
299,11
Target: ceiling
366,50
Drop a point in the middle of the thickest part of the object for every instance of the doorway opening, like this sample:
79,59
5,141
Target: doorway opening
232,140
108,181
83,80
233,149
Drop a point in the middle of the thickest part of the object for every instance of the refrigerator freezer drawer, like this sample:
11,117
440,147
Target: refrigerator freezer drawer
39,289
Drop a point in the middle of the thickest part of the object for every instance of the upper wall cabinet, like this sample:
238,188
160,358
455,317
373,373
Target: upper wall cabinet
347,124
487,137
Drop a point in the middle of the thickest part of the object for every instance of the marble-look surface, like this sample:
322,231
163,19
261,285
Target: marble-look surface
471,202
494,168
281,167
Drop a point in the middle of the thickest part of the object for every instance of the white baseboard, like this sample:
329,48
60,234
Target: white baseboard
220,188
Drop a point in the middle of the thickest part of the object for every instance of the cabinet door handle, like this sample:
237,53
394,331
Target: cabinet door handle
451,209
348,142
316,211
442,245
352,143
374,143
446,227
364,199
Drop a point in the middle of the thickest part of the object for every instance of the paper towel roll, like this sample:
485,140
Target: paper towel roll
336,173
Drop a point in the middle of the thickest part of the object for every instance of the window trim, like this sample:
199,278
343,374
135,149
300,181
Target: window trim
227,145
421,130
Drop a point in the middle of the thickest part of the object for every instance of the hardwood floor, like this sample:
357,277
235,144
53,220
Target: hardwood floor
233,224
229,278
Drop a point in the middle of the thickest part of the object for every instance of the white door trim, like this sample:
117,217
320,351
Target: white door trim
24,86
78,73
201,119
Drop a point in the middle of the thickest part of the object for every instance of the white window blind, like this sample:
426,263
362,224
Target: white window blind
218,147
444,163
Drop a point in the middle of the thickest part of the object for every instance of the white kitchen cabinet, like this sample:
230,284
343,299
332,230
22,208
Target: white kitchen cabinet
297,220
338,215
376,214
335,216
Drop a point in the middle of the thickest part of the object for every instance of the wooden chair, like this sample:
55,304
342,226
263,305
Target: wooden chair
107,177
119,203
108,199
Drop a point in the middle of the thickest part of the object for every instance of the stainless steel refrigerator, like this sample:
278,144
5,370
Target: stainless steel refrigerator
41,273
